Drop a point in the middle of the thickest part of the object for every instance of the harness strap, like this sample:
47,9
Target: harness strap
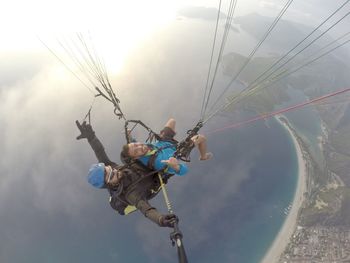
153,155
151,134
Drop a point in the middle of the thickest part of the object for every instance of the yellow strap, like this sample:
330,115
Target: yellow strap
165,194
151,152
129,209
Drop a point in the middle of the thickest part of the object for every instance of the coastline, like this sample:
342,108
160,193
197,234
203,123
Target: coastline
290,223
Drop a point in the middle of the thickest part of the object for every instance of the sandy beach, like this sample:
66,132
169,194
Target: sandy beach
289,225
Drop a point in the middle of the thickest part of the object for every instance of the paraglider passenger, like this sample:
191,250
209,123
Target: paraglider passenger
160,154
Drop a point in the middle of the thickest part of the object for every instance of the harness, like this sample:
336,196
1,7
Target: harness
183,148
134,174
154,152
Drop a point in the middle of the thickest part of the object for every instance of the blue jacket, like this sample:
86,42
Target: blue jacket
165,150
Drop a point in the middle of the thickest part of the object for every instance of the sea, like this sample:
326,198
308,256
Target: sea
261,204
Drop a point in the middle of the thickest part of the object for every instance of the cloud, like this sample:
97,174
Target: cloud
42,184
19,66
304,12
293,12
270,5
200,12
37,138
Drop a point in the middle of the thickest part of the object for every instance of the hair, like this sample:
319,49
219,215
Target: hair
124,154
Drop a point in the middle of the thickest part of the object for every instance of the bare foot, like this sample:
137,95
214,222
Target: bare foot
208,156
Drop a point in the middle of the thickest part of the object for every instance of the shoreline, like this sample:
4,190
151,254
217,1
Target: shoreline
283,237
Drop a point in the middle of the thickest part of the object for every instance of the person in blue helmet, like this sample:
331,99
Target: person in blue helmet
160,154
129,187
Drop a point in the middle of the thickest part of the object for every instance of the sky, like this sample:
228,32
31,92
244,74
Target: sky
43,192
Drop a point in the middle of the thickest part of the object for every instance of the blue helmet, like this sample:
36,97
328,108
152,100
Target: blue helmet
96,175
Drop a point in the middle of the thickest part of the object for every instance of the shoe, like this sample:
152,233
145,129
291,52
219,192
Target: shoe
208,156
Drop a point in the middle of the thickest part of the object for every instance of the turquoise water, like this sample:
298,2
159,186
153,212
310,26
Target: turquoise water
307,123
258,207
257,234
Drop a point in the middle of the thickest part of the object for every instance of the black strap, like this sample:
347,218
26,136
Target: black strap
151,134
153,157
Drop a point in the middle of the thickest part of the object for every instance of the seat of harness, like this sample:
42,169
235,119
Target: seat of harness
136,177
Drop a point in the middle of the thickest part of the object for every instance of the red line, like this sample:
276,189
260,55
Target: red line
268,115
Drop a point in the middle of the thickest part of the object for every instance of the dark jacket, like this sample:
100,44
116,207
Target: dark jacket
138,185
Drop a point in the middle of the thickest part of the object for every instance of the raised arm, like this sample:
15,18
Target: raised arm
88,133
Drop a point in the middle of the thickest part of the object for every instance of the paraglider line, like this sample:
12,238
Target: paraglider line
265,116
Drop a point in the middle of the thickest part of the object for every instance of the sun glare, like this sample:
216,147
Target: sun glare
115,26
129,25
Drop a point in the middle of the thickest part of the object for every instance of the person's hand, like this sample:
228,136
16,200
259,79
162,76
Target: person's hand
173,163
168,220
85,130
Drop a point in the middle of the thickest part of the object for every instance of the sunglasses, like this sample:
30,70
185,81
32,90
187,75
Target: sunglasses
111,174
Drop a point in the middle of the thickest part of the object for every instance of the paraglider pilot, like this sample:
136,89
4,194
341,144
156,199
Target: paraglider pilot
127,186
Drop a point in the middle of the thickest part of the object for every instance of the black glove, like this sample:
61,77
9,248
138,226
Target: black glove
168,220
85,130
